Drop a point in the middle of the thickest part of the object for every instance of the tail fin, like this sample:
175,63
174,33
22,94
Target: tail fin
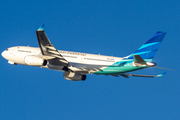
149,49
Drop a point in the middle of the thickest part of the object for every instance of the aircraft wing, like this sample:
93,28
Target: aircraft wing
48,50
126,75
136,75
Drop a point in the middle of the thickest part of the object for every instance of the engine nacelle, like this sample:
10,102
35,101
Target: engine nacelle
74,76
35,61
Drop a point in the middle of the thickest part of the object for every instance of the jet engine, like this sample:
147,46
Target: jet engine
35,61
73,76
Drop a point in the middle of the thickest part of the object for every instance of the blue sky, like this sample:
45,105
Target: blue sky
118,28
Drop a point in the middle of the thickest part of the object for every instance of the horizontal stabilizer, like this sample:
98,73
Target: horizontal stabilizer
138,61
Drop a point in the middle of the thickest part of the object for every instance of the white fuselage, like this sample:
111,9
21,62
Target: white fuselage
87,63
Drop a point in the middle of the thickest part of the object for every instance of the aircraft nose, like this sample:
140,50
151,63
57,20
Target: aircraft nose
3,54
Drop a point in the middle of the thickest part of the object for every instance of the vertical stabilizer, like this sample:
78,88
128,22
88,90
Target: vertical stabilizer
149,49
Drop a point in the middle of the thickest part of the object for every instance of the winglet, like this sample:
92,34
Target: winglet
162,74
41,28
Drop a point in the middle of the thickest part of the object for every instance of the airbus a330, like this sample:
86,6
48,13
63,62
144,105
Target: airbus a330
76,65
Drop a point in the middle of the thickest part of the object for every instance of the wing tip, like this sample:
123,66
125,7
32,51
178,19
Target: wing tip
162,74
41,28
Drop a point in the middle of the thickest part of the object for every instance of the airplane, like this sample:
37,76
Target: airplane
76,65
